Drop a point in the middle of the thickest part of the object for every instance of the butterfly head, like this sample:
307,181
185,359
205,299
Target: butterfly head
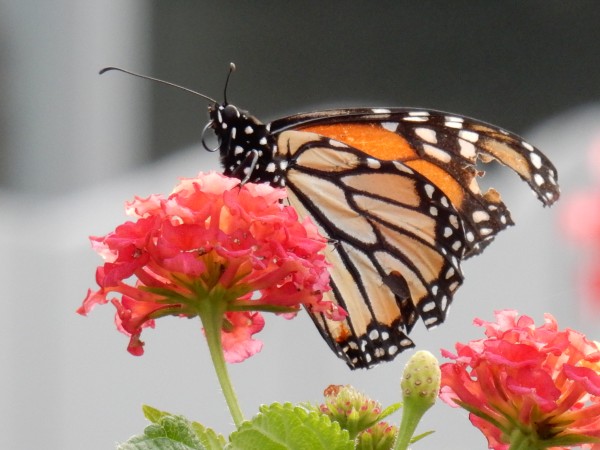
245,143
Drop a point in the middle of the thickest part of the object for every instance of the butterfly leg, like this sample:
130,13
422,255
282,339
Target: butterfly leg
244,170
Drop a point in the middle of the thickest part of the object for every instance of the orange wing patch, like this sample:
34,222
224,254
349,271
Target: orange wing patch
442,179
369,138
376,141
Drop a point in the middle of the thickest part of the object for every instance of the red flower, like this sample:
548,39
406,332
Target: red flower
211,244
538,385
580,220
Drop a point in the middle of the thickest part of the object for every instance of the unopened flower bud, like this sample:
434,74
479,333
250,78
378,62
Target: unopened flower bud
420,386
421,381
380,436
353,410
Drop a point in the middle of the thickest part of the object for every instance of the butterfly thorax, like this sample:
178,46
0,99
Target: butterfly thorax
248,150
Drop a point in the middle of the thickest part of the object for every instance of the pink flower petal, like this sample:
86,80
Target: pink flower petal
238,344
587,377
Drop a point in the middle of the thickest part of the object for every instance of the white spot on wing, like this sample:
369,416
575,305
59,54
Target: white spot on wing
468,135
430,321
373,163
436,153
390,126
429,189
536,160
415,118
428,306
539,180
527,145
402,168
467,149
480,216
381,110
427,134
453,221
485,231
474,186
453,122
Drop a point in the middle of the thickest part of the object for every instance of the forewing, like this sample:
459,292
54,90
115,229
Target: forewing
445,149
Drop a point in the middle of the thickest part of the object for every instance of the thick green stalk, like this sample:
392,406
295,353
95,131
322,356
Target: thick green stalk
211,315
522,441
408,425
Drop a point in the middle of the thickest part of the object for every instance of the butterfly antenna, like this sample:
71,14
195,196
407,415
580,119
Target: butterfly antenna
231,70
146,77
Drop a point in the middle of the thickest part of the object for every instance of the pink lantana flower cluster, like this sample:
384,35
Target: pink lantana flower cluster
212,245
580,220
526,386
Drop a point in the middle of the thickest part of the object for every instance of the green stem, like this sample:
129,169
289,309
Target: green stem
408,425
521,441
212,318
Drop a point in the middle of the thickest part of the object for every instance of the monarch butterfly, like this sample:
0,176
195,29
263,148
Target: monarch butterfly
395,191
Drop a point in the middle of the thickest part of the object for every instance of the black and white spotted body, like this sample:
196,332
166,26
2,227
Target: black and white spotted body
247,148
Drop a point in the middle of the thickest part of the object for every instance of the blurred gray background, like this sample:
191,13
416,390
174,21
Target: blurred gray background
74,146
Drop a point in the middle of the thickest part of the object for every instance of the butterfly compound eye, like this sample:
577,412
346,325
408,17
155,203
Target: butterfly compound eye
230,114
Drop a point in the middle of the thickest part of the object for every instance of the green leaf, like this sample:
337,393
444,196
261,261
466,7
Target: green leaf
389,410
152,414
209,438
168,433
289,427
421,436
